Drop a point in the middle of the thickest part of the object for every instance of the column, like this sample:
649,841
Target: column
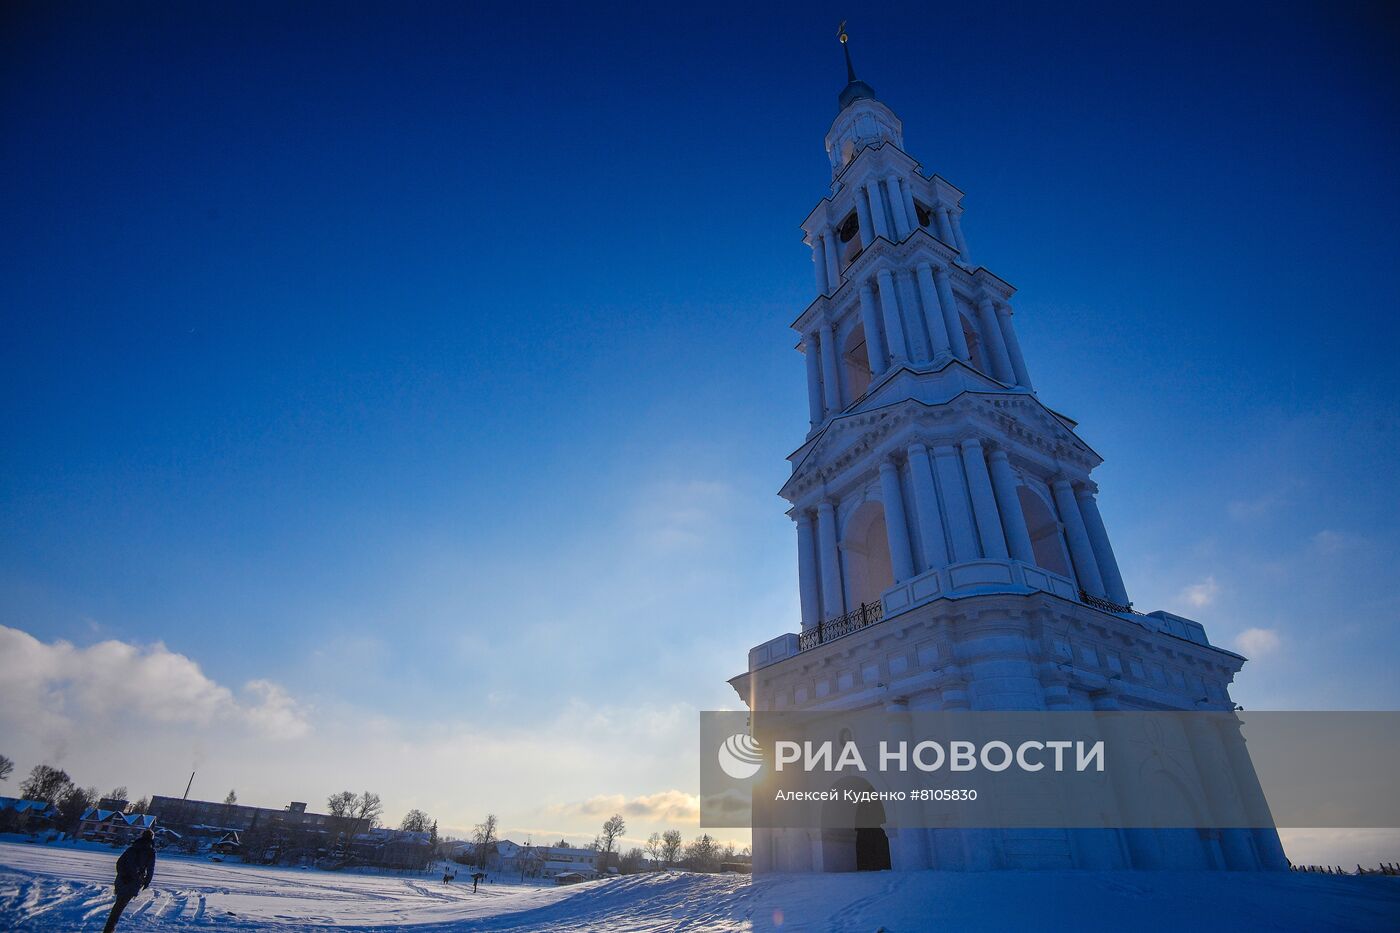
933,311
819,262
1103,551
889,306
955,509
955,218
831,386
902,226
945,226
907,190
1013,520
867,228
874,344
812,352
935,551
901,557
877,209
831,251
1081,552
833,602
992,342
1013,347
952,320
1223,800
807,570
914,331
984,503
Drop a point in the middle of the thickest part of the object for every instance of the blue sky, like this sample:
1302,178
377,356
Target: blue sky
427,368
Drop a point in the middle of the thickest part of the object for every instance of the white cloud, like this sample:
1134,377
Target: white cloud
275,713
1201,594
57,686
672,806
1257,642
1328,541
683,515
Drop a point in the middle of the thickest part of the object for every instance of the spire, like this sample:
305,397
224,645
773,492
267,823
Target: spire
850,69
856,89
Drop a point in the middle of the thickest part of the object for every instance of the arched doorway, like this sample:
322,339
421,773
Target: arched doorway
872,848
855,364
1044,528
865,546
854,837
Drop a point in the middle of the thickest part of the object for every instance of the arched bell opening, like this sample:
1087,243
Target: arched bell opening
866,549
1047,540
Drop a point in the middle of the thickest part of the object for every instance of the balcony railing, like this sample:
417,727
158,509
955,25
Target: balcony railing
841,626
1106,605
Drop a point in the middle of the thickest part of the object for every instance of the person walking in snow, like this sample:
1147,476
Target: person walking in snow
135,869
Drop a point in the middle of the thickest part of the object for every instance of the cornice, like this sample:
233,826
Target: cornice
995,418
973,283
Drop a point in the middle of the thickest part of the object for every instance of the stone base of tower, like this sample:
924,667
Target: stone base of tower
919,849
1025,649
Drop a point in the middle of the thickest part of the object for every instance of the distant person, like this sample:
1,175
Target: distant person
135,869
477,879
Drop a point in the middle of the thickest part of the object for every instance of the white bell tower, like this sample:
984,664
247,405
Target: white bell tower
950,548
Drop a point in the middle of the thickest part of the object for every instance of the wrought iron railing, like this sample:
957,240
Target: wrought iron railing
1106,605
841,626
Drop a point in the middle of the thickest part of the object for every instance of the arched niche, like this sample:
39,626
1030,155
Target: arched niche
855,363
1047,541
865,546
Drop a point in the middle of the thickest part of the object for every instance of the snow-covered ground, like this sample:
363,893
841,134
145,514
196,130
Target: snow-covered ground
62,888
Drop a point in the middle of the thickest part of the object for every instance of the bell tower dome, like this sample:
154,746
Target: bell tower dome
863,119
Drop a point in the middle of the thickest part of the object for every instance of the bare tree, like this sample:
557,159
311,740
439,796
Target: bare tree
484,837
702,854
366,812
670,846
7,768
140,806
529,859
341,808
47,783
631,861
654,848
231,799
416,821
117,793
74,803
612,829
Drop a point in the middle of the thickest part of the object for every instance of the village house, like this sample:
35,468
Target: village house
113,826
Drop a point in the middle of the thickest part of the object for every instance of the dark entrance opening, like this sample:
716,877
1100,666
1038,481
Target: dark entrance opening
872,849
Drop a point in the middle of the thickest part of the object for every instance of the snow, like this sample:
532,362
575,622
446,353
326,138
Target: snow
57,887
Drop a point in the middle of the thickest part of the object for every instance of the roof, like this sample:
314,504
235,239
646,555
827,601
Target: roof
143,820
25,806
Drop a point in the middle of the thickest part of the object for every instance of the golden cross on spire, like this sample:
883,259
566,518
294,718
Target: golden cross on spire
841,32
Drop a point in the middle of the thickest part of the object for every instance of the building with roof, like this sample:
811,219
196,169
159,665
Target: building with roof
23,816
113,826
